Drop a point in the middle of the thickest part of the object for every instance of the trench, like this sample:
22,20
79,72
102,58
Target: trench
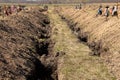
76,63
44,61
41,72
96,47
45,64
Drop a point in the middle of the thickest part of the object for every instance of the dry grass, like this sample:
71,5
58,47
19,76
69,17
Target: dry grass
76,64
99,30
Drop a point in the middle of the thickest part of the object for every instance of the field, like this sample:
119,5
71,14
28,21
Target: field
100,35
61,43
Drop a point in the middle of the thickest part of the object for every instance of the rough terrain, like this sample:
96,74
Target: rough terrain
75,62
100,35
55,45
25,45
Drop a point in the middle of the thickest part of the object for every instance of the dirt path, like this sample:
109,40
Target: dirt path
76,64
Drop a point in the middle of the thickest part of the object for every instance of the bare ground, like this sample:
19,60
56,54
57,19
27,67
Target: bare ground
26,47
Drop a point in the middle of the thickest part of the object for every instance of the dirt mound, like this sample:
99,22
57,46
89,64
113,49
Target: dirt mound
22,39
101,36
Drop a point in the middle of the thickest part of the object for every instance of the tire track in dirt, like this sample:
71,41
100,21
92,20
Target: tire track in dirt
76,64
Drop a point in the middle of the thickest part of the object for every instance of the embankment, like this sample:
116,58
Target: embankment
26,48
101,36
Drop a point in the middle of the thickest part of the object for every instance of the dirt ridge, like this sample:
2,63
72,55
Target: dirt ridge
100,35
23,38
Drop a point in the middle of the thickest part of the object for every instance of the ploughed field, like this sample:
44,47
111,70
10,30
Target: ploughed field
56,44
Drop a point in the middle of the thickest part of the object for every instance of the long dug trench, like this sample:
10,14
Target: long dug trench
76,64
26,49
39,45
101,36
45,66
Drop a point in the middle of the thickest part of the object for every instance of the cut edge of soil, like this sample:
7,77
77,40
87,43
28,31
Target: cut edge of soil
96,47
45,65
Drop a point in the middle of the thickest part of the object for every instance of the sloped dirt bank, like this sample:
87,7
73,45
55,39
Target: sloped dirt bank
75,63
100,35
96,47
26,47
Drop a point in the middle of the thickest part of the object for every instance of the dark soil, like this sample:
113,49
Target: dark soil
26,47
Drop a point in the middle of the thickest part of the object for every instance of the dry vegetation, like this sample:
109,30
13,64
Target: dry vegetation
28,50
101,35
76,64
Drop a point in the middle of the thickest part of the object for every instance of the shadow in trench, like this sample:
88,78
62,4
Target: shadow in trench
41,72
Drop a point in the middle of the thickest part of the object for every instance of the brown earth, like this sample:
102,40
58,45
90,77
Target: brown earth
101,36
74,63
26,47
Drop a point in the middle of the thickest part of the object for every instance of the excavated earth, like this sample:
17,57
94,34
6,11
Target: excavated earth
100,35
26,47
